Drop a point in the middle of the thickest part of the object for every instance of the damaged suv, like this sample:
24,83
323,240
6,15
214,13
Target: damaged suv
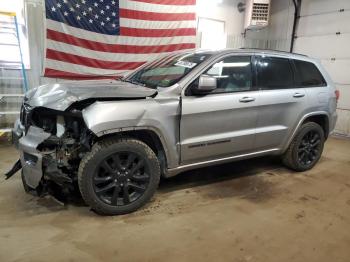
113,140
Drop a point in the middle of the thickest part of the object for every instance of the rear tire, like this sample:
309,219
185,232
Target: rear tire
306,148
118,176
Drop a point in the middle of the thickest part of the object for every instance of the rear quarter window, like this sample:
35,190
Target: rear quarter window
308,74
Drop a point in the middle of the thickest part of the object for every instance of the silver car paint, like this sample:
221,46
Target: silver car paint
279,113
28,144
61,95
220,122
160,114
264,126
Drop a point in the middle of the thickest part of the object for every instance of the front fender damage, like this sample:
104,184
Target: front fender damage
31,158
51,145
161,116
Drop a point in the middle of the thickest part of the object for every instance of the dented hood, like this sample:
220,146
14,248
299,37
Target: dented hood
60,96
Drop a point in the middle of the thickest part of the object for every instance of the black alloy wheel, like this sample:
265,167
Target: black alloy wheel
118,176
309,148
121,178
306,147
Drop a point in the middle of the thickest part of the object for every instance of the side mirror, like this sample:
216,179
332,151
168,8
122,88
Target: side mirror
206,84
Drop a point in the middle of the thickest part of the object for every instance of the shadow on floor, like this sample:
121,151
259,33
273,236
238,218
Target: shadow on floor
218,173
204,176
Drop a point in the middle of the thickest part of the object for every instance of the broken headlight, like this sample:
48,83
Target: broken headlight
45,119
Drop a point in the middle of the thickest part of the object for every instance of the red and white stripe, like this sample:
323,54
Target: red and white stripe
148,29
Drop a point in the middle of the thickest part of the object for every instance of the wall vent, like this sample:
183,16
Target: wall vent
257,14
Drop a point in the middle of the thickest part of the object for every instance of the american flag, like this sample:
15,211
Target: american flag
108,38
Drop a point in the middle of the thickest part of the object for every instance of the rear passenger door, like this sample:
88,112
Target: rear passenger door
282,102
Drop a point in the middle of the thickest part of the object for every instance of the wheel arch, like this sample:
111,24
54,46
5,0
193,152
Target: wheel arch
319,117
149,136
322,120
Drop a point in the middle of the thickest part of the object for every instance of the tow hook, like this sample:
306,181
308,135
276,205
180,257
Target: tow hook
17,166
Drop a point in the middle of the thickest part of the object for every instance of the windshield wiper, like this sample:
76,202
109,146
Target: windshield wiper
139,83
132,82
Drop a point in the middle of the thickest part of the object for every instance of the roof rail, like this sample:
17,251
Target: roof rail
278,51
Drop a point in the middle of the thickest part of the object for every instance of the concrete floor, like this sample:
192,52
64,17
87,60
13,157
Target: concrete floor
253,210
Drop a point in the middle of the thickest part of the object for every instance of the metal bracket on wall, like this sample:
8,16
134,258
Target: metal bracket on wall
297,5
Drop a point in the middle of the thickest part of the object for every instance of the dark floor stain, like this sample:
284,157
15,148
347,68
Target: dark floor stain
228,180
50,203
253,188
300,214
303,198
308,197
271,174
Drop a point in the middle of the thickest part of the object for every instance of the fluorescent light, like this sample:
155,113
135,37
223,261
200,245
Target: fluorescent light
235,64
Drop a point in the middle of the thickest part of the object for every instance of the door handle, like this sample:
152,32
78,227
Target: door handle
297,95
246,99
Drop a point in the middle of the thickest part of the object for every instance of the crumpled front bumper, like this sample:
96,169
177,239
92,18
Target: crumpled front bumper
31,158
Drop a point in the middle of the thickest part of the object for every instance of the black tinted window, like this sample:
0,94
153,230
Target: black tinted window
233,74
308,74
274,73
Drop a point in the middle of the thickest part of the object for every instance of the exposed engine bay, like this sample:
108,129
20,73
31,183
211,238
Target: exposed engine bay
62,150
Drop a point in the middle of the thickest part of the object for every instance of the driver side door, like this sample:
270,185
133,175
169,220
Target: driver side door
221,123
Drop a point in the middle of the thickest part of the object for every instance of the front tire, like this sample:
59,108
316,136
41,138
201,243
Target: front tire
118,176
306,148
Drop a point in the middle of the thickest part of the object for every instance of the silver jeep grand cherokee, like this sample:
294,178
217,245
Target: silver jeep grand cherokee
114,139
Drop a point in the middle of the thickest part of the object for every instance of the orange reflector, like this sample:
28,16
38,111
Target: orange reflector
337,94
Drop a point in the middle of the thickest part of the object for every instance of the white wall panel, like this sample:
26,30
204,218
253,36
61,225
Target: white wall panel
324,24
343,123
317,37
322,6
339,70
324,47
344,100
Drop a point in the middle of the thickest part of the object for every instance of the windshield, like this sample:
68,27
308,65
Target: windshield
168,70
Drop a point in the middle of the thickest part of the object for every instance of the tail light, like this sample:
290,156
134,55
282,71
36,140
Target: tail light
337,95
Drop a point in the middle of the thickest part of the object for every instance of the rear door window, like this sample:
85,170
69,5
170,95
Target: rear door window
274,73
308,74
